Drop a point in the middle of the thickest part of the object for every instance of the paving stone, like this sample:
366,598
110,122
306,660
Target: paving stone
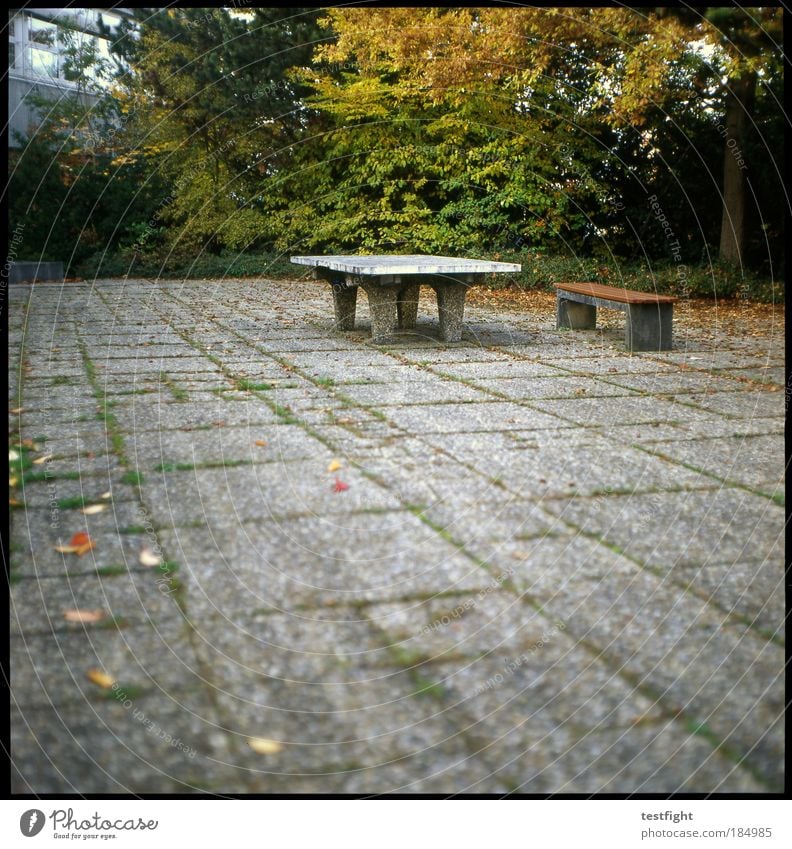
316,562
664,635
258,493
152,450
620,411
693,382
483,416
529,463
483,372
527,709
460,353
694,429
752,590
138,596
35,533
53,668
611,364
743,405
681,529
423,392
146,414
529,389
754,461
105,747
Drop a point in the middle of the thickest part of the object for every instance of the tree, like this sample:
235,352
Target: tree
66,188
210,107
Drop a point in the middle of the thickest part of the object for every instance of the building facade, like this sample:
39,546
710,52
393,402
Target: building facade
38,41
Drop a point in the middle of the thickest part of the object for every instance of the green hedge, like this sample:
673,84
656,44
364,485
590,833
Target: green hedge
125,264
539,272
542,272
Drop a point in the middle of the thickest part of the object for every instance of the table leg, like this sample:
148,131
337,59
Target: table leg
382,305
345,303
451,307
407,305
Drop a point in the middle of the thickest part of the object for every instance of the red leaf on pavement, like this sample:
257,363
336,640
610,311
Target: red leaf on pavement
340,486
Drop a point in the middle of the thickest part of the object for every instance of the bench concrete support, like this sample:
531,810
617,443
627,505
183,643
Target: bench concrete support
451,307
407,305
345,304
648,327
382,306
574,316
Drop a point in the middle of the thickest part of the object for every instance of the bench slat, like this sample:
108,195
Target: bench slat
612,293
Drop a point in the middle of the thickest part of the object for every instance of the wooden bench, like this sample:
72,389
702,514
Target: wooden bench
649,316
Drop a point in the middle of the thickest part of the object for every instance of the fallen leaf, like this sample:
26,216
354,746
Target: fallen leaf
149,558
261,443
14,503
12,481
263,746
84,615
79,544
334,466
93,509
16,410
106,495
101,679
13,455
39,460
340,486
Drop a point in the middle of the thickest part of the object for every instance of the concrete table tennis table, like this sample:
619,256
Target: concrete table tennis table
392,284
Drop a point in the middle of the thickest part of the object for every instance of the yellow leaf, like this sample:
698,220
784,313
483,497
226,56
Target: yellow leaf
260,442
16,410
334,466
12,481
39,460
13,455
106,495
101,679
149,558
84,615
67,549
92,509
262,746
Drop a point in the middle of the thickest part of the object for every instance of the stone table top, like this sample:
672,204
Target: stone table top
405,264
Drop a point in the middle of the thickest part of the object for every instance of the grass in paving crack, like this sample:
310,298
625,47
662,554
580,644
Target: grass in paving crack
411,660
209,464
46,475
253,385
74,503
133,530
111,571
178,393
132,478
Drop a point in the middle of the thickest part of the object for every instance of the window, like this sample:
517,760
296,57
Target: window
42,32
43,62
11,54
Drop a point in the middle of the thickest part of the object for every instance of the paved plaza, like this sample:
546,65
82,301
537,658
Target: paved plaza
297,562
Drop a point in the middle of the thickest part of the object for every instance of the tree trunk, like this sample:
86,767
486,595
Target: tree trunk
739,108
